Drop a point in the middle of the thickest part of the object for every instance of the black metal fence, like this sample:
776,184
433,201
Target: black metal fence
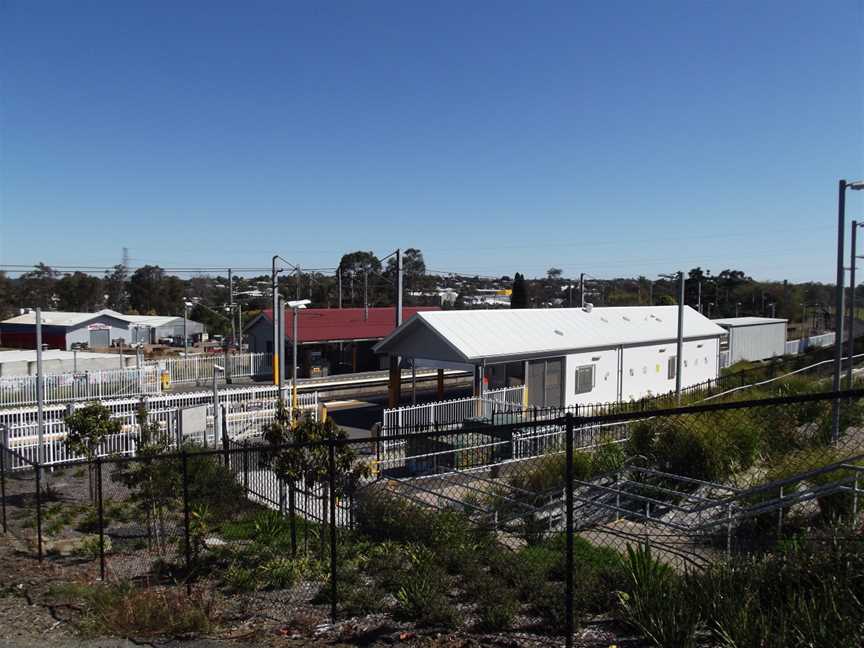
522,523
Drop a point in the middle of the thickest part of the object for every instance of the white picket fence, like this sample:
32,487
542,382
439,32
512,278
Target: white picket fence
794,347
132,381
247,411
450,412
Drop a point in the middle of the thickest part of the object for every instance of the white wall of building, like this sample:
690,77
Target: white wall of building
644,371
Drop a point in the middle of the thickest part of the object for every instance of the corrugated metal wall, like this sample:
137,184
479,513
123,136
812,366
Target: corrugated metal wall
757,342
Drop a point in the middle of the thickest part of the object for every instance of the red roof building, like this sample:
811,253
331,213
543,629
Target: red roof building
333,340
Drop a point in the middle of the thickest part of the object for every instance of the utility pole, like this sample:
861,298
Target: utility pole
281,342
295,312
339,285
398,288
582,289
276,354
680,345
838,310
365,295
395,370
699,297
231,308
297,272
40,392
186,328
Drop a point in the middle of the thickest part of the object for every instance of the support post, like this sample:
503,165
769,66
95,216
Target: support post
413,381
39,511
280,340
395,395
292,516
333,589
3,476
186,535
231,308
440,395
101,517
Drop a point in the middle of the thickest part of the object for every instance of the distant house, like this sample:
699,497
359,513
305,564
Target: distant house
330,340
60,329
565,356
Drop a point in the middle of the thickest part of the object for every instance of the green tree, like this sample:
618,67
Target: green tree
114,284
7,296
299,453
89,427
37,287
519,296
152,291
80,292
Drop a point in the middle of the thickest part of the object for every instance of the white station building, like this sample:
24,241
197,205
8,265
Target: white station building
565,356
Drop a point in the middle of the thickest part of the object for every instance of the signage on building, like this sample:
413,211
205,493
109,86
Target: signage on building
98,327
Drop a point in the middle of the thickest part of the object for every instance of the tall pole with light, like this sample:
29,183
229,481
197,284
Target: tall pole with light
295,307
853,259
838,299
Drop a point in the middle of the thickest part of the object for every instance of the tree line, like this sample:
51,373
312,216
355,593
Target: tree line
362,278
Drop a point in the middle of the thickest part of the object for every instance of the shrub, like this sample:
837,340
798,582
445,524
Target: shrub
89,547
277,573
240,579
126,611
656,603
422,595
607,458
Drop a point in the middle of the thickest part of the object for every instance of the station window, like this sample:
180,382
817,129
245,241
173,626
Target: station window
584,379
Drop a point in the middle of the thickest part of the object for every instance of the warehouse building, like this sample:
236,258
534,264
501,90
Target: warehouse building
565,356
330,340
106,328
753,338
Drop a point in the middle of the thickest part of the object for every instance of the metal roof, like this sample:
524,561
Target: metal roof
483,334
747,321
342,324
62,318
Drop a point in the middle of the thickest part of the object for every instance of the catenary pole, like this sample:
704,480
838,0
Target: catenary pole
851,345
276,353
231,307
838,309
680,344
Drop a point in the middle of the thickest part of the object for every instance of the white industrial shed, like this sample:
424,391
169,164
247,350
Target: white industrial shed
754,338
566,356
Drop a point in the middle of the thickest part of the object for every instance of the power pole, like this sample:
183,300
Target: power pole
297,272
398,288
365,295
281,341
395,371
680,344
339,285
231,310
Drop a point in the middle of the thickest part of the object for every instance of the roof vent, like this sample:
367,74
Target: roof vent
588,307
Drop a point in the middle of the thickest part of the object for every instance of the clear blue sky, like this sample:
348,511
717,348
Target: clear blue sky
615,138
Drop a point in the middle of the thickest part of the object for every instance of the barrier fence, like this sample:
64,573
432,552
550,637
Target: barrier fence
703,497
132,381
244,412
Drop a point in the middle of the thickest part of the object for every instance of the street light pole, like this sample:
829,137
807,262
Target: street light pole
40,392
185,329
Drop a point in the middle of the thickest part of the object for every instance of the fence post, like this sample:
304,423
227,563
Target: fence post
188,544
3,475
568,597
332,471
101,517
246,465
38,510
292,516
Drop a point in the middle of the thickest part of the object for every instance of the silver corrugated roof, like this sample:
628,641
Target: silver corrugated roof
747,321
477,334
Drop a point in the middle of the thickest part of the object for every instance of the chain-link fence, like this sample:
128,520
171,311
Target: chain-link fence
532,522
